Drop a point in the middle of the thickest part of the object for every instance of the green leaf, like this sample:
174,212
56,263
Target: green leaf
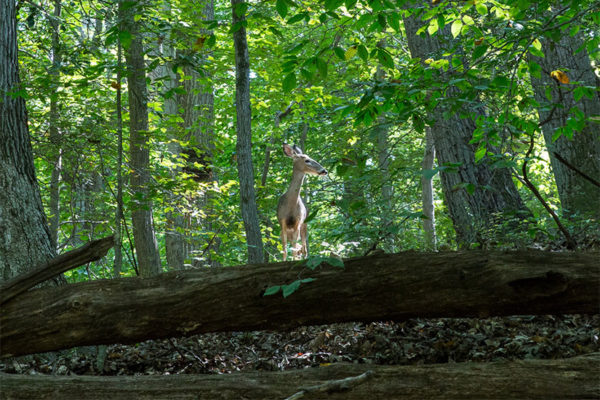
480,153
479,51
313,262
272,290
363,53
456,27
382,21
350,4
339,52
297,18
334,262
125,39
481,8
289,82
322,67
291,288
578,93
282,8
385,58
240,9
468,20
429,173
536,48
394,20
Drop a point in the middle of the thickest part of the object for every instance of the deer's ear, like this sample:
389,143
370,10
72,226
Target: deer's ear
288,150
297,150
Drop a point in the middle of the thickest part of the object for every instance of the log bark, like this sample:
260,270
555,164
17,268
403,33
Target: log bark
89,252
375,288
573,378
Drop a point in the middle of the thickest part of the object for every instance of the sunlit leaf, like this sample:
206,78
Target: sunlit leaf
351,52
560,76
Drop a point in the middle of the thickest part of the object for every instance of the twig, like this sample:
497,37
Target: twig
571,244
339,385
570,166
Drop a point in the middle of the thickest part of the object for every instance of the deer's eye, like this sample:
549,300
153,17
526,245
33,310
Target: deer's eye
307,161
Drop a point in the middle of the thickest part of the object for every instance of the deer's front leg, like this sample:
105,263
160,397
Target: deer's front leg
284,241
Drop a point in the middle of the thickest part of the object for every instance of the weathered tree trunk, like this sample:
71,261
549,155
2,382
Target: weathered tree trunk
199,120
494,192
577,195
143,228
382,287
427,193
119,220
24,235
244,138
89,252
383,158
55,155
572,378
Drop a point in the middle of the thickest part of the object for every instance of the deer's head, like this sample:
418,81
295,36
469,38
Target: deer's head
302,162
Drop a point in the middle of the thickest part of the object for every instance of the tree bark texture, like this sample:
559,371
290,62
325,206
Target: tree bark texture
244,139
380,287
577,195
89,252
495,192
572,378
199,119
144,238
55,155
24,235
427,193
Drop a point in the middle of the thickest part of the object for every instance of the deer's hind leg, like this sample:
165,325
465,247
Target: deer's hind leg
304,237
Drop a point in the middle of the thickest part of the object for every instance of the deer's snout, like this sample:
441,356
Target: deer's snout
323,172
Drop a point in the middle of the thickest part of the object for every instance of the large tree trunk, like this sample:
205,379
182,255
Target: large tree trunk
577,195
244,138
199,116
24,235
494,192
382,287
572,378
143,228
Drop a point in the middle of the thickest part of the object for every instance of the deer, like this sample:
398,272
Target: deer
291,211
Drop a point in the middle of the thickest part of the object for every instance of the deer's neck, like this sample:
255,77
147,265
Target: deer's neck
293,193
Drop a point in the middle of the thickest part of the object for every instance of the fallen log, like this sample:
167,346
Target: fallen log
380,287
89,252
573,378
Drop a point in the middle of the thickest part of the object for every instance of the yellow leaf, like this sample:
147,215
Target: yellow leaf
560,76
429,61
351,52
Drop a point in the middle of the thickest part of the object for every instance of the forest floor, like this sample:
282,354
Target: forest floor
416,341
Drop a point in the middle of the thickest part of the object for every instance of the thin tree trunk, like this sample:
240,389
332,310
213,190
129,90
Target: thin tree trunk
55,136
143,229
427,193
119,220
577,195
383,156
24,236
244,138
493,192
175,243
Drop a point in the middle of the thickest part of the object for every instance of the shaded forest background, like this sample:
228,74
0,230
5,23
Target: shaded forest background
132,114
